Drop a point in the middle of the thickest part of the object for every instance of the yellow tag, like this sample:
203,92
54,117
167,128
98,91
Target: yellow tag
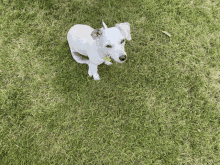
107,59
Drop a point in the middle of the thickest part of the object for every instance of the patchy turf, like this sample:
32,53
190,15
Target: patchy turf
160,107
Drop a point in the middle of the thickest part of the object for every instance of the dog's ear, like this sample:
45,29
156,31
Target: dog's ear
104,25
125,29
97,33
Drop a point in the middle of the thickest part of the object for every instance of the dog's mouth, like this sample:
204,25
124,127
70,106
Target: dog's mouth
108,55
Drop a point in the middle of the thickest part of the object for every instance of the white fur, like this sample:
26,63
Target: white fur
86,41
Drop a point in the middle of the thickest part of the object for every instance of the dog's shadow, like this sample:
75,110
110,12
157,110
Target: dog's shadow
82,56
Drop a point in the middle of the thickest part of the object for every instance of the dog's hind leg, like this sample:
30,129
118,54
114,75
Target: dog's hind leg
78,58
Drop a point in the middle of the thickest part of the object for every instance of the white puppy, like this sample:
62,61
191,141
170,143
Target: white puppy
99,45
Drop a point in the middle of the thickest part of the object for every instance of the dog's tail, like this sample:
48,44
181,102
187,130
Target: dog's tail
78,58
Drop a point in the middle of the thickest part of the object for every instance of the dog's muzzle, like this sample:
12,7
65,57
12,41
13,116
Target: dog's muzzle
123,58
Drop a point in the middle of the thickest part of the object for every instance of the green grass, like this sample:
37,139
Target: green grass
162,106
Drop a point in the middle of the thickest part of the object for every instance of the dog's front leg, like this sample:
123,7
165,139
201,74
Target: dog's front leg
93,71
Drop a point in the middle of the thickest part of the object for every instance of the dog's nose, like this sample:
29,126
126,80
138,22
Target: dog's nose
122,58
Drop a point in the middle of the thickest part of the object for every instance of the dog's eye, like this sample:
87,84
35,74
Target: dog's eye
108,46
122,41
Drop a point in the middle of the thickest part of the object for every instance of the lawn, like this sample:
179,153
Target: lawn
162,106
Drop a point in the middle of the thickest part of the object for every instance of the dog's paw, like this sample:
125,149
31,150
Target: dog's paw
108,63
90,73
96,76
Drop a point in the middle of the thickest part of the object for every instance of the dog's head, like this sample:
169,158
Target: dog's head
112,40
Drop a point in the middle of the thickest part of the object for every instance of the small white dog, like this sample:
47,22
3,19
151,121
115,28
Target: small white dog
99,45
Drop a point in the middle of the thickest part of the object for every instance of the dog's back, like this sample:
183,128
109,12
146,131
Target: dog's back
79,38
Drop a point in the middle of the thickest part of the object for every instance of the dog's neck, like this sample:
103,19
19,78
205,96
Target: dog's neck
104,54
